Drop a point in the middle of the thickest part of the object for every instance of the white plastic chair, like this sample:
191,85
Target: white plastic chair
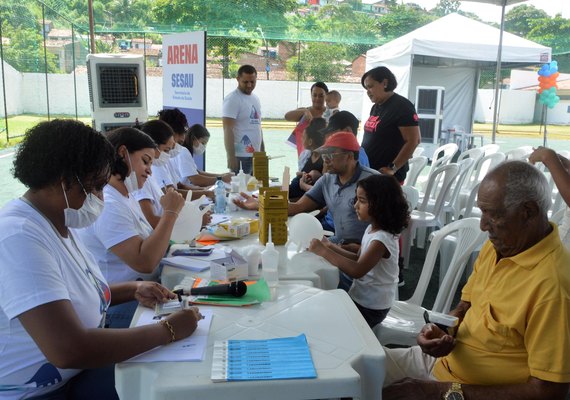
490,148
520,153
417,165
441,156
471,210
485,163
412,195
451,207
405,319
421,218
558,216
418,152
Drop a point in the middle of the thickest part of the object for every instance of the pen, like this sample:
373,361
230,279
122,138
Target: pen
164,186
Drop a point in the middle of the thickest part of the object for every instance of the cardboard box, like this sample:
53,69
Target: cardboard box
237,228
230,268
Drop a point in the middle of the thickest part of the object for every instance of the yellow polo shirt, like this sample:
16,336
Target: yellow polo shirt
519,321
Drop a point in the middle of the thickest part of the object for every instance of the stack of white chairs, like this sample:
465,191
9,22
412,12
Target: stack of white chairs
405,319
422,218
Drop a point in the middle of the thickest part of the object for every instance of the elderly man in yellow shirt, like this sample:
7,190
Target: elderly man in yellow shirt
513,341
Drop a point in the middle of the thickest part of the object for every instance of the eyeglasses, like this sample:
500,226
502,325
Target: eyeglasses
330,156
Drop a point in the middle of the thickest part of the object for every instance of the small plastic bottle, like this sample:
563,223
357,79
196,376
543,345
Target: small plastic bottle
242,177
270,262
220,197
235,184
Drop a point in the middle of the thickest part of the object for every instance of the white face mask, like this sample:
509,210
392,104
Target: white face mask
162,159
88,213
200,149
131,181
176,150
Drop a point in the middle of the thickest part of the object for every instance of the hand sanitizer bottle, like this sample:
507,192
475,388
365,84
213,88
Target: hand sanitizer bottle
270,262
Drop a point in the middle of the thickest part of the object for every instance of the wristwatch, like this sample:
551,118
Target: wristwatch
454,392
392,166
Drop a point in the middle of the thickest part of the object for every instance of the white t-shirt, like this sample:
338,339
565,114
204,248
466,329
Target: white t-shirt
162,175
151,191
185,165
172,168
36,268
120,220
377,289
246,110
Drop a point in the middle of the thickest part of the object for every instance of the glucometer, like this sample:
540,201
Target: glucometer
445,322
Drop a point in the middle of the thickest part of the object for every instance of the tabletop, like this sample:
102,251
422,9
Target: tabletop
348,358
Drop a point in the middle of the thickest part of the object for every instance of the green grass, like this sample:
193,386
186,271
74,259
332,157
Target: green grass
20,123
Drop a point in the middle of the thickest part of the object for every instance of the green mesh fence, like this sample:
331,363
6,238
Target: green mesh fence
283,39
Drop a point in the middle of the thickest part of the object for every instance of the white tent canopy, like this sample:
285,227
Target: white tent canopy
450,52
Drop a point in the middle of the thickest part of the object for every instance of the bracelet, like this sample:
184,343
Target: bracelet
172,212
168,326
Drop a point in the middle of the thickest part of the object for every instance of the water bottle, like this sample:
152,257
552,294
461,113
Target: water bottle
270,263
220,197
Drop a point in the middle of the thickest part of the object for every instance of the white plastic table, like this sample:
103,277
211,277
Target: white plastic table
348,358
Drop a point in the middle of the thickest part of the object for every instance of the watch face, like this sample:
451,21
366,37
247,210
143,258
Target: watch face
454,396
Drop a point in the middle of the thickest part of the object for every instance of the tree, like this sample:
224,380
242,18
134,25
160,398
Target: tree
445,7
555,33
25,52
401,20
521,19
319,62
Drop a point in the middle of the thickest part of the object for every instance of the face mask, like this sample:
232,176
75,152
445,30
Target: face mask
89,212
162,159
131,181
200,149
175,151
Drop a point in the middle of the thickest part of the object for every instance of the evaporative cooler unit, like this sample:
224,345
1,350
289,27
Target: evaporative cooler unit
117,90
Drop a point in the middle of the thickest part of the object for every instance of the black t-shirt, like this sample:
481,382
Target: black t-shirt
310,165
382,138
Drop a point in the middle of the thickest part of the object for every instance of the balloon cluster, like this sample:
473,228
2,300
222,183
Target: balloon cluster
547,77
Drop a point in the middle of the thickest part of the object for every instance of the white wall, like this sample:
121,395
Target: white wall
26,94
13,84
515,107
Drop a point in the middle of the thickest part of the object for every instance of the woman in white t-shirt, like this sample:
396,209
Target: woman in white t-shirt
152,191
196,140
374,269
123,242
53,296
181,162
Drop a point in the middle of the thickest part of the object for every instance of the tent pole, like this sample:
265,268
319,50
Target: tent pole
498,73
